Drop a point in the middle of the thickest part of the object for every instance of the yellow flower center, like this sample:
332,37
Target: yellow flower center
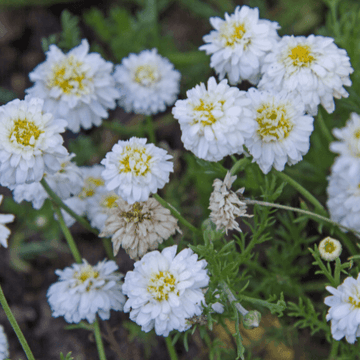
355,303
95,181
273,123
301,55
161,284
135,215
109,201
329,247
146,75
233,33
357,134
69,77
86,273
135,160
25,132
205,113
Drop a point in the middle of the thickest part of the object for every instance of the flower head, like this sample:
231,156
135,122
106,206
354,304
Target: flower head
344,311
77,86
4,231
239,43
165,289
148,82
30,142
83,291
313,67
282,130
140,227
4,345
225,204
214,121
330,249
134,169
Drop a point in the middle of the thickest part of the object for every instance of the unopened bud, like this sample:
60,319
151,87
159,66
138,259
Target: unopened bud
252,319
329,248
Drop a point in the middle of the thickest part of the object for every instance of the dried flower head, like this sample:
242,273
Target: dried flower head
330,249
139,227
225,204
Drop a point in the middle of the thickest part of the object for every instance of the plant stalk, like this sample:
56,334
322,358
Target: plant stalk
233,299
170,348
98,340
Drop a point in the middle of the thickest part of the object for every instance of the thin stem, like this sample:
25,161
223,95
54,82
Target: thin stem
56,199
346,241
232,298
177,215
239,164
334,349
70,240
108,248
301,190
113,343
170,348
324,129
150,129
98,340
15,326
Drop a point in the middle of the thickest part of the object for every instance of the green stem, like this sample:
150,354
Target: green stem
108,248
150,129
15,326
170,348
334,350
346,241
72,245
239,164
98,340
177,215
301,190
324,129
232,299
56,199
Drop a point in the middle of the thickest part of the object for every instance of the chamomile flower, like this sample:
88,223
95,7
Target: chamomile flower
4,231
4,345
30,142
344,198
214,121
134,169
83,291
148,82
312,67
76,86
93,181
344,311
165,289
239,43
330,249
281,129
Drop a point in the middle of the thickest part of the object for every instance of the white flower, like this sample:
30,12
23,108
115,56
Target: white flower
239,43
99,207
330,249
282,130
4,345
134,169
93,181
4,231
83,291
75,204
225,204
140,227
344,198
348,146
148,82
313,67
344,311
65,182
30,142
214,122
164,290
76,86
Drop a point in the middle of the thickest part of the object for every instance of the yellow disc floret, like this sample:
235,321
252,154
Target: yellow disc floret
203,113
109,201
86,273
135,159
25,132
232,33
135,215
146,75
273,123
161,285
301,55
354,302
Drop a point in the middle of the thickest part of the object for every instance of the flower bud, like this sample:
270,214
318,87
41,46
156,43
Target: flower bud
251,319
330,249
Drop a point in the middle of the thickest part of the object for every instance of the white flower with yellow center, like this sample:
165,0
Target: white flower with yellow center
4,345
93,181
214,121
165,289
239,43
83,291
282,130
4,231
76,86
30,142
344,311
330,249
313,67
148,82
344,198
134,169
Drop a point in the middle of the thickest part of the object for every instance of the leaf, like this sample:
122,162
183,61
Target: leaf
70,36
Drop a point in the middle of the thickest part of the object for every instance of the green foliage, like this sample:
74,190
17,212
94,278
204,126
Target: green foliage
67,357
70,36
6,95
19,3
